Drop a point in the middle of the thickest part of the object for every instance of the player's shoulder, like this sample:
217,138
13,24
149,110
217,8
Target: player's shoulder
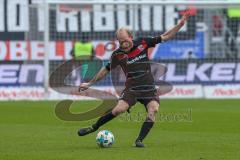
138,39
142,39
117,51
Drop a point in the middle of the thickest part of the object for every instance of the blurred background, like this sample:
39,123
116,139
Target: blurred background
36,37
42,45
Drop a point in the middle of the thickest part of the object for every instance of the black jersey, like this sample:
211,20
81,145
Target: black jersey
135,63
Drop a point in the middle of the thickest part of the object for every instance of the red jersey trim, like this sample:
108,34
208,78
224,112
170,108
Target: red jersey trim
138,50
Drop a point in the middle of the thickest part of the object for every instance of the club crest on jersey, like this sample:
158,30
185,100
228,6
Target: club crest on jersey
141,48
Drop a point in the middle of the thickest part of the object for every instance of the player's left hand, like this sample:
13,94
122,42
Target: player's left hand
191,11
184,18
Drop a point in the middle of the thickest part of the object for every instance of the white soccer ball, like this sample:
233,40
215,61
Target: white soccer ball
105,139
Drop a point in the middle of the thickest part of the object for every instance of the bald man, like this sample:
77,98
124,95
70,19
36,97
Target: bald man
132,57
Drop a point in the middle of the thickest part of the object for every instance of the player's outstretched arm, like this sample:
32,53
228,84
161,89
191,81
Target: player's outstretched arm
102,73
169,34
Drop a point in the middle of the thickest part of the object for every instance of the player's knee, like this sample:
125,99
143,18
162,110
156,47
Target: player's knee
152,112
121,107
117,111
153,109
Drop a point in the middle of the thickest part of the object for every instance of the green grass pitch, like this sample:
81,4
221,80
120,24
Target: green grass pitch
185,130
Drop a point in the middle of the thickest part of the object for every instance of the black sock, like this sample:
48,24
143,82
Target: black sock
102,120
146,127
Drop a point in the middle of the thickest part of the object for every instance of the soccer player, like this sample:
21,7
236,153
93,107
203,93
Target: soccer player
139,86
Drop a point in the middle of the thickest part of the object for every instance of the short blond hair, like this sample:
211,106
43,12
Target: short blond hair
127,29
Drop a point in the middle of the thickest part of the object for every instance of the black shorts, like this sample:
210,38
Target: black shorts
132,97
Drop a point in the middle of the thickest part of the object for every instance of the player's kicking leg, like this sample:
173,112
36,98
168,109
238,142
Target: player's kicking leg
121,107
152,108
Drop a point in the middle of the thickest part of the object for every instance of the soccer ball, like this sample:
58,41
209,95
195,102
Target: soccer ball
105,139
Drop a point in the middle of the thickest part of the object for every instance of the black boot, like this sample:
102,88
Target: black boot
85,131
139,144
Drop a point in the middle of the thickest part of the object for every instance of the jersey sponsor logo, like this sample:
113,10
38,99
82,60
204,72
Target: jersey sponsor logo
141,47
137,59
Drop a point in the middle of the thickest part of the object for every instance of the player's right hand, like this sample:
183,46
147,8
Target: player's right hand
84,86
